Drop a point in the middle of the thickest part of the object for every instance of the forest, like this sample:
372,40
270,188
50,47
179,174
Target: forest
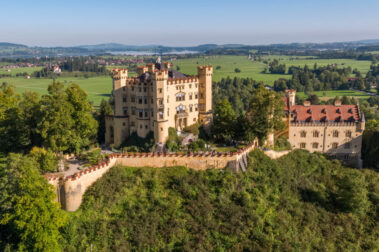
302,202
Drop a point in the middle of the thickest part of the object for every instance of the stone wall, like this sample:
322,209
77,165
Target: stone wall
70,189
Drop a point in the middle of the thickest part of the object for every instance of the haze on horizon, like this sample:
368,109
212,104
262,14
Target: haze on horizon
179,23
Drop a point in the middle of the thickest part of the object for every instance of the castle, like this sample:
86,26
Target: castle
157,99
334,129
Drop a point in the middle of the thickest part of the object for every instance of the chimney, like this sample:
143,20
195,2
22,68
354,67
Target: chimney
337,103
307,103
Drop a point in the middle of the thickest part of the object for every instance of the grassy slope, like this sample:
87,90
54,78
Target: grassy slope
283,205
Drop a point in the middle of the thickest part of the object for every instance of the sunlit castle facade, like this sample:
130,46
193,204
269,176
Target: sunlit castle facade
334,129
159,98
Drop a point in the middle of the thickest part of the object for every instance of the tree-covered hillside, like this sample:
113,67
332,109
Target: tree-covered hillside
301,202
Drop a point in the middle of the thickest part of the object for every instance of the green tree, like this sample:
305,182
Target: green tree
30,217
224,119
352,193
84,129
56,124
265,112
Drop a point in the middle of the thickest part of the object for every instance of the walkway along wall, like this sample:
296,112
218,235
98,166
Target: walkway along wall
70,189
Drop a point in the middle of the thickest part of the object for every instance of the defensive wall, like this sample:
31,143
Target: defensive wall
70,189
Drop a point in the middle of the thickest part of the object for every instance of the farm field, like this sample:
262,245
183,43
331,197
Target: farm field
333,93
253,69
15,71
98,88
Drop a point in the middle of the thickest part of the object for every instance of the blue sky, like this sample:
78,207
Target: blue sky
190,22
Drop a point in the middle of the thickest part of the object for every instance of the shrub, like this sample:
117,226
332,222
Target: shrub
45,158
194,129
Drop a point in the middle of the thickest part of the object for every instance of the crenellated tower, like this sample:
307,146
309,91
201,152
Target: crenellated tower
161,124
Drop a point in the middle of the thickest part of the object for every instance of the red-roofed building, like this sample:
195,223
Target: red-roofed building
334,129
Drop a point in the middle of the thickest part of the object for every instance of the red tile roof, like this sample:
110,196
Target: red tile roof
323,113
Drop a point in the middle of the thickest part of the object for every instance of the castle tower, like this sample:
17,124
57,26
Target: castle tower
119,78
160,121
291,95
205,95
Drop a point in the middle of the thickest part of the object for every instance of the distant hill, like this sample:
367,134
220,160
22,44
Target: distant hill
9,45
11,50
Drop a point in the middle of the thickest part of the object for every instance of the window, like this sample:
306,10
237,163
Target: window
302,145
314,145
190,85
144,89
139,100
335,133
133,98
202,107
347,146
152,112
145,100
196,96
140,126
347,157
139,89
123,124
303,134
334,145
125,109
180,109
348,134
315,133
190,96
133,111
201,95
160,101
196,107
124,98
160,114
140,113
180,97
160,90
168,112
146,113
146,126
190,106
152,100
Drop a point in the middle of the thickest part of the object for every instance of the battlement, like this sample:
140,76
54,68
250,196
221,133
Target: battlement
205,69
121,73
74,186
189,79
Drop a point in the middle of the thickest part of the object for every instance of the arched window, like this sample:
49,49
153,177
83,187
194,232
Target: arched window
180,109
334,145
348,134
335,133
303,134
315,133
314,145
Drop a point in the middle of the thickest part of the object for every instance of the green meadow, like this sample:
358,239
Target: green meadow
333,93
100,87
15,71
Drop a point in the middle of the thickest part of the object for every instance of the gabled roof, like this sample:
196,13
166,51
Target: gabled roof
324,113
